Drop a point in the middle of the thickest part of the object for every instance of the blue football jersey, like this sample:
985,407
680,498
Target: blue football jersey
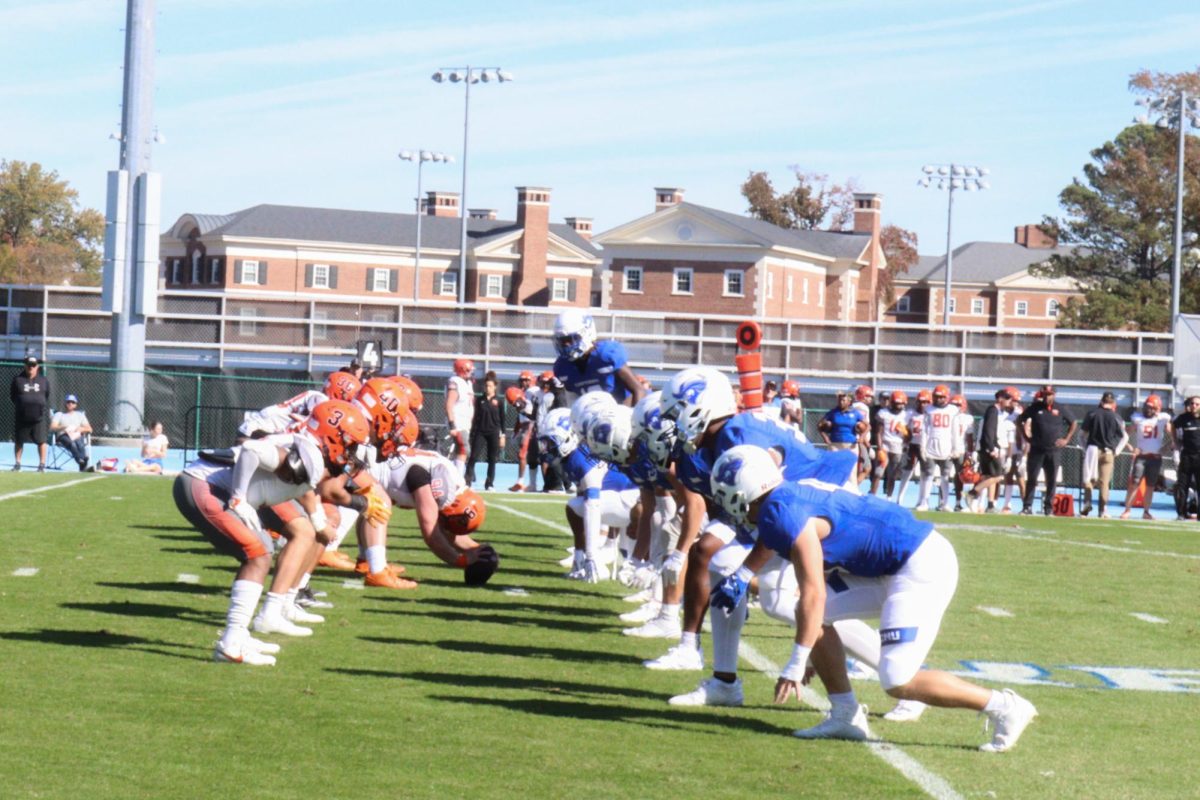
616,479
643,472
800,459
596,372
579,463
869,536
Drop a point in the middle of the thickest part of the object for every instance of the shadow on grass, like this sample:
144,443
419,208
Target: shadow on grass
192,551
156,610
162,528
166,586
522,651
100,639
498,619
170,537
504,682
499,606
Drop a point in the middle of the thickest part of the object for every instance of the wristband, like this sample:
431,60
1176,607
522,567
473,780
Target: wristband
794,669
319,521
358,503
743,573
461,561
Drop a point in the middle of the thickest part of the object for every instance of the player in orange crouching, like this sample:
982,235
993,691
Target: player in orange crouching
222,497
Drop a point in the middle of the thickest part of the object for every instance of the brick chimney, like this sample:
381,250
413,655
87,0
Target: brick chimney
581,225
533,218
441,204
481,213
868,208
665,197
1033,237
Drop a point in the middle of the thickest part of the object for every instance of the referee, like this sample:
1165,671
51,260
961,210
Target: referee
30,395
1187,439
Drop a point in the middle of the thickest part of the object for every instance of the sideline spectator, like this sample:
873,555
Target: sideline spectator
30,395
1043,423
70,429
842,426
525,399
791,410
1151,432
1187,439
1106,438
154,450
771,395
487,431
991,451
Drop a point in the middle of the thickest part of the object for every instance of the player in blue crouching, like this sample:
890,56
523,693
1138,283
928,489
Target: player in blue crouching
587,365
884,562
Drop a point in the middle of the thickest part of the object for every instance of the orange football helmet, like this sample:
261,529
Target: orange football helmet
960,401
925,396
337,426
465,514
790,389
1013,392
527,375
464,368
941,389
384,404
546,376
862,393
1154,402
409,387
342,386
405,434
899,397
514,396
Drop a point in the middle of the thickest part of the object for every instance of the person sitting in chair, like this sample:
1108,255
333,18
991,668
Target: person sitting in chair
154,450
70,429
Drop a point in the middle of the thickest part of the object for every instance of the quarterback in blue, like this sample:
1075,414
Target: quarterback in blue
884,562
587,365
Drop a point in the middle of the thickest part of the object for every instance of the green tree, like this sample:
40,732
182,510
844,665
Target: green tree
1119,221
45,237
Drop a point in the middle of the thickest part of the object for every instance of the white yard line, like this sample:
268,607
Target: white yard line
353,584
187,577
517,498
25,492
1149,618
25,572
1093,545
558,526
994,611
929,782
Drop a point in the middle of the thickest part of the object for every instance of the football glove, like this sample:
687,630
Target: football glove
591,574
246,513
729,593
629,568
644,576
673,567
378,509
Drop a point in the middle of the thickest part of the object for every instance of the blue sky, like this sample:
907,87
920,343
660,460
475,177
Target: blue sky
307,103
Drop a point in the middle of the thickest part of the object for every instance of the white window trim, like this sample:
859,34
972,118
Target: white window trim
559,290
448,284
320,276
691,276
725,283
770,285
625,274
493,286
789,286
1021,308
978,303
1053,308
249,270
381,276
903,304
247,324
820,292
804,292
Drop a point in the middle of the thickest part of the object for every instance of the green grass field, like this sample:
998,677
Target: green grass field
528,689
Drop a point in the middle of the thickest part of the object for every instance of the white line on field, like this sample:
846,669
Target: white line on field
514,497
187,577
516,591
994,611
353,584
929,782
25,572
558,526
24,492
1093,545
1149,618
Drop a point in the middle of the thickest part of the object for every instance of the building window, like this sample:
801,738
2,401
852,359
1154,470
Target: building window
770,285
1022,308
821,293
380,280
249,272
197,269
320,329
1051,308
214,271
559,290
494,287
977,306
633,279
246,325
953,305
804,292
788,284
449,284
176,269
734,282
683,280
903,304
320,276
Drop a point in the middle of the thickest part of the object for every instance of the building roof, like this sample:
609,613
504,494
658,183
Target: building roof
835,244
982,262
366,227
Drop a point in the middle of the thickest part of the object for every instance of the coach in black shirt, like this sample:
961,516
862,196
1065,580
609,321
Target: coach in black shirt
487,431
1187,438
30,394
1105,433
1048,427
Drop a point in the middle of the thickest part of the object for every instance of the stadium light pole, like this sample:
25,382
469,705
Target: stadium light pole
420,157
1180,112
467,76
952,177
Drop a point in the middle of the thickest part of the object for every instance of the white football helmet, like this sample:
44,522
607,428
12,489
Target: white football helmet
556,437
585,408
574,333
650,427
740,476
610,433
694,398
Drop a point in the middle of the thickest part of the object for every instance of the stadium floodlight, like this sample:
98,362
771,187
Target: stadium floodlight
419,157
438,76
468,75
952,177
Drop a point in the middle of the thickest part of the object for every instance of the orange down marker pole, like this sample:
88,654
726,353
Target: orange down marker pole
749,365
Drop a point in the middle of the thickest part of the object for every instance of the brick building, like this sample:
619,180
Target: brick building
286,251
687,258
991,285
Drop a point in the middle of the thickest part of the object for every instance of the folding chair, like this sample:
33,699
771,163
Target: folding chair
59,457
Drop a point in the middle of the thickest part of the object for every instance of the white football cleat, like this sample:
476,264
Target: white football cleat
1010,723
836,726
921,507
644,596
644,613
266,648
295,613
858,671
663,626
277,623
681,657
241,654
711,692
906,711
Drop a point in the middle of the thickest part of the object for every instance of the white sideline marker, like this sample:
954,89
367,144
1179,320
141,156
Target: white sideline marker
187,577
1149,618
547,523
25,572
994,611
515,591
25,492
352,584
